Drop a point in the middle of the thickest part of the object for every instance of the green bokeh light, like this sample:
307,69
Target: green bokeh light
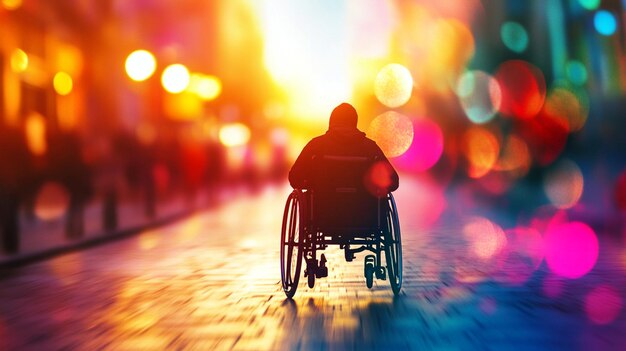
589,4
576,72
514,36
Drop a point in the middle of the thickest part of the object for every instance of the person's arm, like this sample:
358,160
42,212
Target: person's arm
300,171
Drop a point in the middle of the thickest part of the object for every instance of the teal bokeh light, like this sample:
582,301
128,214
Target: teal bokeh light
576,72
514,36
605,22
589,4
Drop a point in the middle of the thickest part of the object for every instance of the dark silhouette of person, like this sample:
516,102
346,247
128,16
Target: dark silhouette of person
66,165
343,140
345,172
15,182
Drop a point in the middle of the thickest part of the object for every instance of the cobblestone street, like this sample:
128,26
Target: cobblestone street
212,281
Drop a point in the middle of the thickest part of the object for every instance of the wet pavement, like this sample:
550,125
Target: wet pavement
212,281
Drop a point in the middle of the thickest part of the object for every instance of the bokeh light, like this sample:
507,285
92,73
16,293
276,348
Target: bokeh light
589,4
11,4
605,22
206,87
425,209
234,134
521,257
480,96
564,184
567,106
576,72
36,134
450,46
481,149
514,36
546,136
486,239
52,201
175,78
523,89
19,60
515,156
393,85
603,304
393,132
140,65
571,249
378,178
426,148
63,83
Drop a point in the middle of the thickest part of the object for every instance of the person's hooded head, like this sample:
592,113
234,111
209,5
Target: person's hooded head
343,116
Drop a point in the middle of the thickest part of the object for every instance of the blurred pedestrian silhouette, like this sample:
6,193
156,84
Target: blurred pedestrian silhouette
66,164
342,139
15,182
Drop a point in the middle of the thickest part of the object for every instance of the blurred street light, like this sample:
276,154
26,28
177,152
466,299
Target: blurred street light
175,78
205,86
63,83
235,134
19,61
11,4
140,65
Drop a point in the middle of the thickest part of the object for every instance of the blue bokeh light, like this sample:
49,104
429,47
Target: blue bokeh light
605,22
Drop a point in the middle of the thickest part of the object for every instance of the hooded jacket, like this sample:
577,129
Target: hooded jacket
339,140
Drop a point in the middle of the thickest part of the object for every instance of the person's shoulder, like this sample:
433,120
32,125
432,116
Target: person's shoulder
369,142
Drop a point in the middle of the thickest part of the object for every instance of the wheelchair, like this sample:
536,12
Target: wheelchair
344,214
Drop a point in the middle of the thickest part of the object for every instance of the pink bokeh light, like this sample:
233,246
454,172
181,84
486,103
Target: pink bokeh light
426,149
603,304
571,249
422,211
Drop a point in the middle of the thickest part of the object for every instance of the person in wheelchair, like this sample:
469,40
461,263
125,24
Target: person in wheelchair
342,139
342,183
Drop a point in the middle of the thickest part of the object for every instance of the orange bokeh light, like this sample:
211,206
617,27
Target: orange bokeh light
481,149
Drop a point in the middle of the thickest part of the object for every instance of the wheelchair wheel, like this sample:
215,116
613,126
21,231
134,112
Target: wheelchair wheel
393,246
290,246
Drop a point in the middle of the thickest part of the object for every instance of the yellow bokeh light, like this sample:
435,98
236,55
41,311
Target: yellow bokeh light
63,83
394,85
19,60
205,86
175,78
36,134
235,134
11,4
140,65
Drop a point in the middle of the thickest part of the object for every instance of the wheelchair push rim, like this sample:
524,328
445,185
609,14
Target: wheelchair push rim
290,246
393,246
